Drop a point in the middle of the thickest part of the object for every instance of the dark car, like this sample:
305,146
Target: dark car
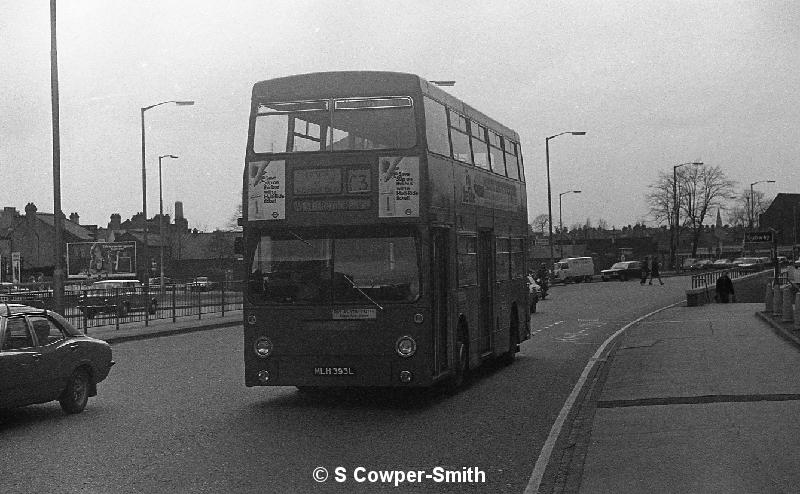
622,271
44,358
116,297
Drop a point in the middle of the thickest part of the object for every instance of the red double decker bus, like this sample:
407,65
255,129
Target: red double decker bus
384,234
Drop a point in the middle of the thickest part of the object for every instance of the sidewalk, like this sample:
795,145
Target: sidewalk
694,399
165,327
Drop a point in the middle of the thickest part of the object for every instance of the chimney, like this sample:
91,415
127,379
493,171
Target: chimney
178,210
116,222
30,211
73,217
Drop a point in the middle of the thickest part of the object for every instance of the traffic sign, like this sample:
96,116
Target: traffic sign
758,237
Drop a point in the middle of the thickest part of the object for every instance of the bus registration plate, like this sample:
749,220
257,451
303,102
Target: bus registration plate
334,371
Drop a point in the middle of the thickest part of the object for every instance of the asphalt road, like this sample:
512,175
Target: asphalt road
175,416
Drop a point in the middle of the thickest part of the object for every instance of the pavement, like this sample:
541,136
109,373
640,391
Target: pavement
690,400
165,327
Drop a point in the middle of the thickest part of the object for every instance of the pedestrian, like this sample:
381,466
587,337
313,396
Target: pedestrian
725,289
645,268
654,271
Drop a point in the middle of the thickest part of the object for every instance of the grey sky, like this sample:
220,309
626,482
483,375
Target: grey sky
653,83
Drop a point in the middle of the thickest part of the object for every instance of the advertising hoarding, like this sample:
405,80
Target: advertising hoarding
101,260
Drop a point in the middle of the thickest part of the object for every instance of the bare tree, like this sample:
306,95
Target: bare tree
702,189
541,222
233,221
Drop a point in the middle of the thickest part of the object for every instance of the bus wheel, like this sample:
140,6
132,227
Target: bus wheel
462,365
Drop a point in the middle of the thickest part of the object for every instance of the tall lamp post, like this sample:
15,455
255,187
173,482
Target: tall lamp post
549,194
144,194
675,210
561,225
753,200
161,220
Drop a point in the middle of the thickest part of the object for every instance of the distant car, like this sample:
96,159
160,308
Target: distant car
688,262
44,358
116,297
622,271
200,284
155,283
751,264
701,264
722,264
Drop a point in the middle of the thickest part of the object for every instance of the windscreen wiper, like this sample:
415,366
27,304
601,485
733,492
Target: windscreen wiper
362,292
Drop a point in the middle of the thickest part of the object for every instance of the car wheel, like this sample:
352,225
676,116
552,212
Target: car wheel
153,307
124,308
76,394
604,278
89,314
623,277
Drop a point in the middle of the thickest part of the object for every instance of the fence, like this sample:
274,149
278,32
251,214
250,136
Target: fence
87,308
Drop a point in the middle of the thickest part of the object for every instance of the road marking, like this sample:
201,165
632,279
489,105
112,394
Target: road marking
547,450
547,327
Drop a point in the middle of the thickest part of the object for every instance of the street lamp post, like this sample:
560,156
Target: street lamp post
675,210
561,225
753,200
144,196
549,194
161,220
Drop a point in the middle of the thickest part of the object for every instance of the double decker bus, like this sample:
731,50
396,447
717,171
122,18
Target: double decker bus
384,234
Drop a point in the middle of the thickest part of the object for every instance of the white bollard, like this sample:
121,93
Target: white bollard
797,311
777,301
768,297
788,298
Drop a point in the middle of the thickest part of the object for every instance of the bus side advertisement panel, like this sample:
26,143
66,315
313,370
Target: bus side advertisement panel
266,190
398,187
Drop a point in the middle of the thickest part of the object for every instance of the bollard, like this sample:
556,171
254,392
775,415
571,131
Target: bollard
788,298
768,297
777,301
797,312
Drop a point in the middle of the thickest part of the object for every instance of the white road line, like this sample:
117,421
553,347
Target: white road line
547,450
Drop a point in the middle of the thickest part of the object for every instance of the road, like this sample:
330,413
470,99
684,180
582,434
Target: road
175,416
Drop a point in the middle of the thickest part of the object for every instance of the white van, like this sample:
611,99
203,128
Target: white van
574,269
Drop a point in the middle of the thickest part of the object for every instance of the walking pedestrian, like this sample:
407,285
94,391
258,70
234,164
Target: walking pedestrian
724,288
645,269
654,271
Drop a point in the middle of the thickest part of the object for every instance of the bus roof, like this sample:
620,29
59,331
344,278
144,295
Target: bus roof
342,84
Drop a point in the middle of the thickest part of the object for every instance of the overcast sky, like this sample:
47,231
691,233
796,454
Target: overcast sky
653,84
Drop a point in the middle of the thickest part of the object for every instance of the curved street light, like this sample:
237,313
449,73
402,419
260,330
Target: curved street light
549,194
144,196
753,199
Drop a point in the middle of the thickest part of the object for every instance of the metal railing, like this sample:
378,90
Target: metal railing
87,308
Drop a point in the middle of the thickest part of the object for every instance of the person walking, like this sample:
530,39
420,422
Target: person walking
654,271
645,269
724,288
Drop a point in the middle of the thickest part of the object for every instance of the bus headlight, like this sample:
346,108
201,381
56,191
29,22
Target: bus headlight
263,347
405,346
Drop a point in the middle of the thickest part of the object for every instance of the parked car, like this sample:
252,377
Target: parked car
752,264
688,262
116,296
155,283
44,358
701,264
200,284
622,271
722,264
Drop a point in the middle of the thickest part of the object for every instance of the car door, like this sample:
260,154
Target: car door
57,357
18,364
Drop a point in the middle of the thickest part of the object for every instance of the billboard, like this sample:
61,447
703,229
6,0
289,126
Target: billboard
100,260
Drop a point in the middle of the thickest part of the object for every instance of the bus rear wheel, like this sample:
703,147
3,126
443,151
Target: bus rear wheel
513,341
462,365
